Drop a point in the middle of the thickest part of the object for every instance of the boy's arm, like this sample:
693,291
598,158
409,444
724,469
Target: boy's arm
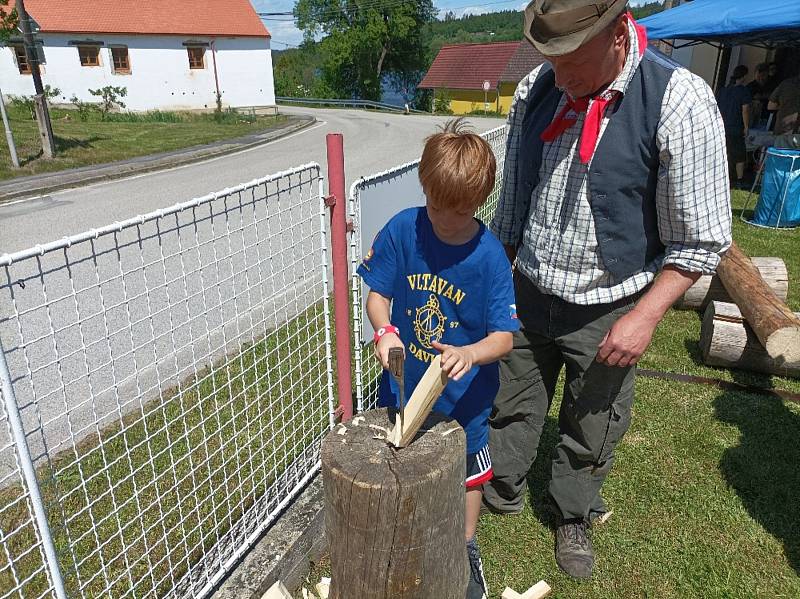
378,313
457,361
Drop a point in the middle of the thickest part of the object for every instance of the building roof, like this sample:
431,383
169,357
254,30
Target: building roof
525,59
230,18
467,66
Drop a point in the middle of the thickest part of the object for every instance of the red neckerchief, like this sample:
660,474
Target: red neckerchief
594,118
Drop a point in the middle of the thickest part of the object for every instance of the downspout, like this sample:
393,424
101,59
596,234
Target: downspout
216,76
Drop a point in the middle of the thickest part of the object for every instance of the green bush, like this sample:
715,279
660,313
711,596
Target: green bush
110,98
85,109
441,103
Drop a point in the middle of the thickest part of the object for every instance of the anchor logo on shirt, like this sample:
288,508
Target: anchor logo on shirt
429,322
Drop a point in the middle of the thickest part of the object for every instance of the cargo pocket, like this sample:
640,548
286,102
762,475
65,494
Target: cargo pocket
619,420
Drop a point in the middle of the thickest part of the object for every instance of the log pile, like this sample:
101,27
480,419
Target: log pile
727,340
747,323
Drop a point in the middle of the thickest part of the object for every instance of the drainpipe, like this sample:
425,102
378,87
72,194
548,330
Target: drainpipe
216,76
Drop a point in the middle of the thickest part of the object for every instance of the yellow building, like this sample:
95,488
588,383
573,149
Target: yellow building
473,77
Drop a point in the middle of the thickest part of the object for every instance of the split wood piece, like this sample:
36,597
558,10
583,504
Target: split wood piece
394,519
772,321
709,288
323,588
727,340
277,591
538,591
419,406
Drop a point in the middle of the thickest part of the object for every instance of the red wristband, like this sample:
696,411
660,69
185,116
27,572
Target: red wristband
389,328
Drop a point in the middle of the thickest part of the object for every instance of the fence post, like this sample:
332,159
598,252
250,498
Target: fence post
338,204
29,474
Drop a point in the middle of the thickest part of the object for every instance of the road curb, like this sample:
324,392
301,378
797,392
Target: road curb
37,185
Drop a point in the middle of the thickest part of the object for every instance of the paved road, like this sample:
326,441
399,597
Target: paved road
373,142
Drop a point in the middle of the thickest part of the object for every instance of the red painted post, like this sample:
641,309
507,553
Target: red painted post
341,293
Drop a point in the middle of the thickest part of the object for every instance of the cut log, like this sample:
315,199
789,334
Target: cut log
709,288
395,518
428,390
727,340
776,327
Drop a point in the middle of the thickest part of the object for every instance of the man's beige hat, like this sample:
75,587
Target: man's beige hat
557,27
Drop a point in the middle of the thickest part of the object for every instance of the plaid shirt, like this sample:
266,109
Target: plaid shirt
559,249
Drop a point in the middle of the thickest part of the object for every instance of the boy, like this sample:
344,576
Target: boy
448,282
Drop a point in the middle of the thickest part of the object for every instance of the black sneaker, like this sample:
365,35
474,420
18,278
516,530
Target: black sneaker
476,589
574,553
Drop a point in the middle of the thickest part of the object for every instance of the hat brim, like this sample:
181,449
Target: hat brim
564,44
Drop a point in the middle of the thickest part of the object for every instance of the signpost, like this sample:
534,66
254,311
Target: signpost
486,86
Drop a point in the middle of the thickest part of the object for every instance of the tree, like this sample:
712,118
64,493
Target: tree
8,24
8,21
365,39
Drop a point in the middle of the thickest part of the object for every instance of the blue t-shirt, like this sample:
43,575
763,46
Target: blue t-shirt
454,294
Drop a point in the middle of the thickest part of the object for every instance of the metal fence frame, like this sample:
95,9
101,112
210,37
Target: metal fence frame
37,499
367,370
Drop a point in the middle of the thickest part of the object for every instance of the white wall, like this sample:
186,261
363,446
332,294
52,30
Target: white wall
160,75
701,59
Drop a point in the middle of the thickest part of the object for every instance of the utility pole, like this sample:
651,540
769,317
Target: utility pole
665,47
9,137
40,101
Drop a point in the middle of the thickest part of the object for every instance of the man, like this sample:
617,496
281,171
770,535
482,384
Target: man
786,100
615,199
760,92
734,105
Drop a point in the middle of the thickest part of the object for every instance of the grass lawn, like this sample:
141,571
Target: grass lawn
80,143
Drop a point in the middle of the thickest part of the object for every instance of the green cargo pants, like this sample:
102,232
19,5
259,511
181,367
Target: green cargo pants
595,409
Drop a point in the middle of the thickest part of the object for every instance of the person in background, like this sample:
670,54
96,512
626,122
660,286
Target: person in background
760,93
786,100
734,106
773,78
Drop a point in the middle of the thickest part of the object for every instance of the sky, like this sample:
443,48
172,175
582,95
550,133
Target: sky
285,33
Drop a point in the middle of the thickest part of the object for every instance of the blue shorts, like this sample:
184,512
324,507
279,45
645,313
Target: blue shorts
479,468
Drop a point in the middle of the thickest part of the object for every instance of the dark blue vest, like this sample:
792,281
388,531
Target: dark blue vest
624,171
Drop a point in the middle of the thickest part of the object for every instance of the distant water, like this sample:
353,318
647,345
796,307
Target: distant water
389,96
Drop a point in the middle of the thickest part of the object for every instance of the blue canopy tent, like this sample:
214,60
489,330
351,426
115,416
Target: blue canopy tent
764,23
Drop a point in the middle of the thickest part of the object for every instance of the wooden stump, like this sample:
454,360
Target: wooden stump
395,517
709,288
727,340
776,327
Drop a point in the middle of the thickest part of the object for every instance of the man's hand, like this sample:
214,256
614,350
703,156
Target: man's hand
627,340
456,361
384,344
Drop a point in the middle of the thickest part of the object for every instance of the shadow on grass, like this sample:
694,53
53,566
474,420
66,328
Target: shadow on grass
540,473
64,144
762,469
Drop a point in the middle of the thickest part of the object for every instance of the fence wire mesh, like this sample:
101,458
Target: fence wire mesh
173,378
367,369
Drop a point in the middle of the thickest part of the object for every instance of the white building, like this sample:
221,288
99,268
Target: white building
169,54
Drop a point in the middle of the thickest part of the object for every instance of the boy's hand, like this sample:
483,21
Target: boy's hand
456,361
384,344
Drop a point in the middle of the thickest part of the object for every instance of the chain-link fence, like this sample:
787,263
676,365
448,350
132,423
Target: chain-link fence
166,385
367,369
